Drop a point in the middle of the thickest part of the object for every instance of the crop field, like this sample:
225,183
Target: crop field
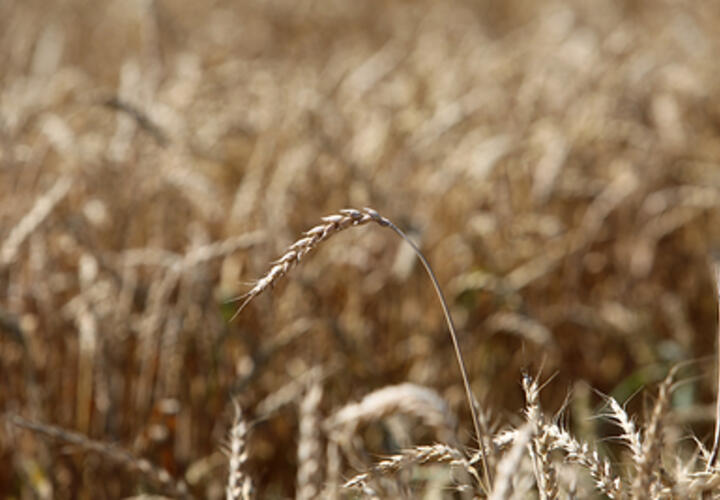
205,291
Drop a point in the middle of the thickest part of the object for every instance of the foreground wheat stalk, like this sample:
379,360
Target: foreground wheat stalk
712,461
334,224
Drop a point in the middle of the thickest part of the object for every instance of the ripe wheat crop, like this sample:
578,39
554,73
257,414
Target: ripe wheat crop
552,169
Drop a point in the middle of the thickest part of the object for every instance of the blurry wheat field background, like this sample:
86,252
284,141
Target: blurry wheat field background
557,162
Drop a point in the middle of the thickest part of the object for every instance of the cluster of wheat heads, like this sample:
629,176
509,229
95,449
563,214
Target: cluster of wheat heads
556,160
539,458
536,457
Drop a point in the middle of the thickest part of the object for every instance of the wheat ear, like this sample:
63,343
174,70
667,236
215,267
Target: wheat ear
239,485
309,454
438,453
649,466
510,463
345,219
581,453
540,444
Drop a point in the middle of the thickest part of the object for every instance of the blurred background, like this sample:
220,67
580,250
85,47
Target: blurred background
557,162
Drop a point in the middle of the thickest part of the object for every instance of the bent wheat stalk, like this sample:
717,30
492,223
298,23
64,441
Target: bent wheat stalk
154,473
334,224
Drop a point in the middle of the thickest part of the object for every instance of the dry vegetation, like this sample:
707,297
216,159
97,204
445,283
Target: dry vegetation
558,163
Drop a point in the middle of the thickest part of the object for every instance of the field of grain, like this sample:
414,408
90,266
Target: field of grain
557,163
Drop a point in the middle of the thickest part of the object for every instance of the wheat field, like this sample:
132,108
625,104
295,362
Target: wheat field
195,302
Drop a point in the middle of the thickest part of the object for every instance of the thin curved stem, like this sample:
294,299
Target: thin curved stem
456,345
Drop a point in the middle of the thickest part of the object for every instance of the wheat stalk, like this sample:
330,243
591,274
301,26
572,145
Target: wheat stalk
712,461
157,475
334,224
42,208
407,398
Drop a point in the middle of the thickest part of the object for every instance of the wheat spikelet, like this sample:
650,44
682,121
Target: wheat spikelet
630,434
239,485
155,474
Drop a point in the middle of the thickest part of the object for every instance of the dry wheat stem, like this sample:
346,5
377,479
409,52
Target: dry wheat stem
712,461
156,474
291,391
345,219
332,470
149,256
407,398
42,208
